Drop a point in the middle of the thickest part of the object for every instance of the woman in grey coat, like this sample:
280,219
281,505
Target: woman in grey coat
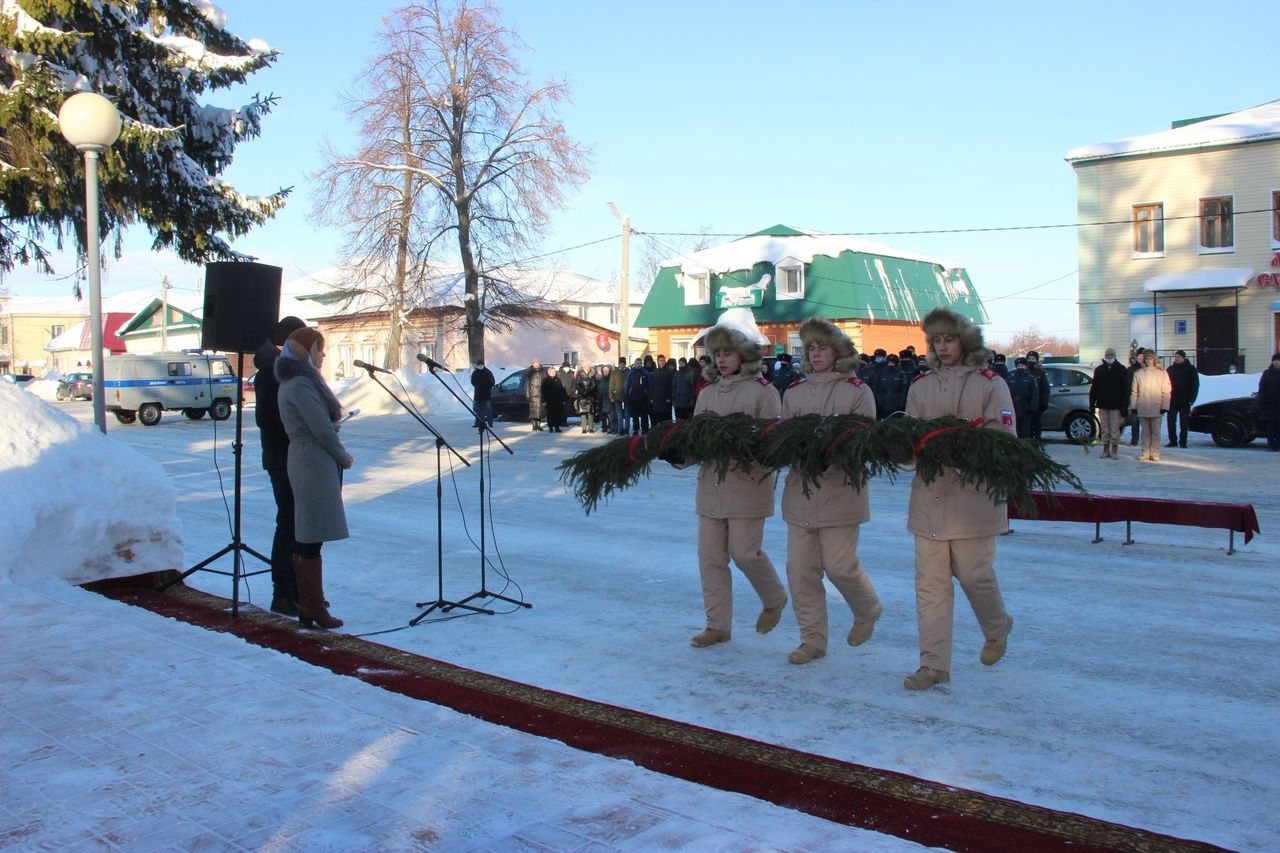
310,414
533,384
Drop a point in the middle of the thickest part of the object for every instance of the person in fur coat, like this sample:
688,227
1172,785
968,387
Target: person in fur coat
311,414
731,512
955,524
823,526
1149,401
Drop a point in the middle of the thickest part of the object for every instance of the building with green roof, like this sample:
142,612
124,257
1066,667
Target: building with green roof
877,294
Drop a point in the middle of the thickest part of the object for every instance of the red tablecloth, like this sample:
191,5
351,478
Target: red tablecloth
1069,506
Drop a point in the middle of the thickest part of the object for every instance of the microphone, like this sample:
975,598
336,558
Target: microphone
369,367
431,363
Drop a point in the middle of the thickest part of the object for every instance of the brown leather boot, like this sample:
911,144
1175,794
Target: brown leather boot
312,610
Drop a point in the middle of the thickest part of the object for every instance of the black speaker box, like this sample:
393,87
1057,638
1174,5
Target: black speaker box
241,305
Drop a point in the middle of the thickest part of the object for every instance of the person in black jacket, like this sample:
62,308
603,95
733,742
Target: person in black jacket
1024,390
638,393
1185,380
482,383
894,385
1042,382
555,399
1109,400
275,461
1269,402
661,389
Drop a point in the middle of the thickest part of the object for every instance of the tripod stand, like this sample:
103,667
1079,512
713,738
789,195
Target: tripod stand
483,427
440,603
237,546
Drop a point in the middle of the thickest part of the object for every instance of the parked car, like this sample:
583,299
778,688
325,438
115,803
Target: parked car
75,386
1068,410
1230,423
511,396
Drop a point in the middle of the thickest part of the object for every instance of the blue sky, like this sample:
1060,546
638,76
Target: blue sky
845,117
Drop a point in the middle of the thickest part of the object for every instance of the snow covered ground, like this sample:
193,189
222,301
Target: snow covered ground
1142,684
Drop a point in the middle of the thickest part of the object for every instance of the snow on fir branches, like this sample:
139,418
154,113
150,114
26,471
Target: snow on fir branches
1005,466
156,60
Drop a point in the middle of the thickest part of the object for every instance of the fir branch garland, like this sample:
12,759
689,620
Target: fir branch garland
1005,466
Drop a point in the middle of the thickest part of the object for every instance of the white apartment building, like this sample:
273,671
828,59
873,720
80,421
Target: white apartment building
1179,241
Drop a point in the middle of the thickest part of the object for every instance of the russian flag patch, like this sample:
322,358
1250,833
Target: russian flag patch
1006,417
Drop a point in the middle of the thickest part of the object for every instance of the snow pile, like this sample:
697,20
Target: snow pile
421,390
74,503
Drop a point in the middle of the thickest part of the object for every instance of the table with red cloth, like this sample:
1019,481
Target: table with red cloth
1069,506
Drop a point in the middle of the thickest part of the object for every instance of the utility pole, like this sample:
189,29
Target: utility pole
164,314
624,295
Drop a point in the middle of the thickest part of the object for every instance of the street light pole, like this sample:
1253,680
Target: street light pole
91,123
624,296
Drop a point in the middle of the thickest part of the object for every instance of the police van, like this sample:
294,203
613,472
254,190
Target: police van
140,387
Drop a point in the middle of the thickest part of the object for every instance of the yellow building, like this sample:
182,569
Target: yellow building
29,323
1179,241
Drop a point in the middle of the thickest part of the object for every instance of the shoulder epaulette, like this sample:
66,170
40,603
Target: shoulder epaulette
921,375
853,380
989,373
764,381
796,382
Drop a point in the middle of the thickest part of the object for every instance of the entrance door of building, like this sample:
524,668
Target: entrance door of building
1217,340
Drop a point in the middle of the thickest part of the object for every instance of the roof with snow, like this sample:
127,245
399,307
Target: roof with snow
1256,124
845,277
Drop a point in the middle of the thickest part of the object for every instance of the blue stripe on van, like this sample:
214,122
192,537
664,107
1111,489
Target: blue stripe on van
166,383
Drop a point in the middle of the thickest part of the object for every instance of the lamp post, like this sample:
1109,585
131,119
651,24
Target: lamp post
624,295
91,123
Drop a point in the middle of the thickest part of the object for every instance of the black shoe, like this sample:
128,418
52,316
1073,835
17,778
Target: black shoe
284,605
1173,444
1183,446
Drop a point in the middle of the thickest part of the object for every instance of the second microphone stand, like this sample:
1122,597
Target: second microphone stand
482,426
440,603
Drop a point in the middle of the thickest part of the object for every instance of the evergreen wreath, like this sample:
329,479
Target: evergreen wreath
1007,467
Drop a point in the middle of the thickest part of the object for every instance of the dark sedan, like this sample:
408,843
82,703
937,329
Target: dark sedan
1231,423
75,386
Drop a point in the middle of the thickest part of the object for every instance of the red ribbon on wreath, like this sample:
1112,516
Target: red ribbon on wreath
666,436
929,435
826,451
631,448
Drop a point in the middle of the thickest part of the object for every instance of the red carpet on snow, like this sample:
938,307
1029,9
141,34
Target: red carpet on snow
880,800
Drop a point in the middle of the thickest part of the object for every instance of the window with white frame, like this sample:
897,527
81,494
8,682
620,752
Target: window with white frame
680,347
697,287
1148,229
1275,218
790,279
583,310
366,354
613,315
344,360
1217,233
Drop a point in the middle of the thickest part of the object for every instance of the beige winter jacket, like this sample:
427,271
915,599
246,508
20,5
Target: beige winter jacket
833,503
741,495
945,509
1150,391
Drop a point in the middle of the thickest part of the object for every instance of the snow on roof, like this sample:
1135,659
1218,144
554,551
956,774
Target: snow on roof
1256,124
1230,277
748,251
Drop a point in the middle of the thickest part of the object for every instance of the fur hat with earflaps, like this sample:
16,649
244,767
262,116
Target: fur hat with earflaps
818,330
944,321
736,330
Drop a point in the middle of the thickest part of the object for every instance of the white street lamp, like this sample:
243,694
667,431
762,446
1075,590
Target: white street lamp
91,123
624,296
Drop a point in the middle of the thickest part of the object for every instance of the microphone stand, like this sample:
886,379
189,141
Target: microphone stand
440,602
482,428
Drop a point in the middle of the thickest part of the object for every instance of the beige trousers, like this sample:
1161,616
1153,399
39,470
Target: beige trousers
739,539
833,550
1110,422
970,561
1151,436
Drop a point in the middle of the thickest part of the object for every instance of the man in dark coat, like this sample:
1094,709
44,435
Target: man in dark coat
482,383
894,385
1185,380
662,388
1024,389
1269,402
638,393
785,374
1042,381
275,461
1109,400
999,363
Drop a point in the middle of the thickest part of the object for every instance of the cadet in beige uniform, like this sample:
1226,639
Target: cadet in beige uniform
731,513
955,526
823,527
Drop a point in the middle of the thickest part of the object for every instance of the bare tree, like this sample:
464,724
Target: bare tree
1031,338
455,144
